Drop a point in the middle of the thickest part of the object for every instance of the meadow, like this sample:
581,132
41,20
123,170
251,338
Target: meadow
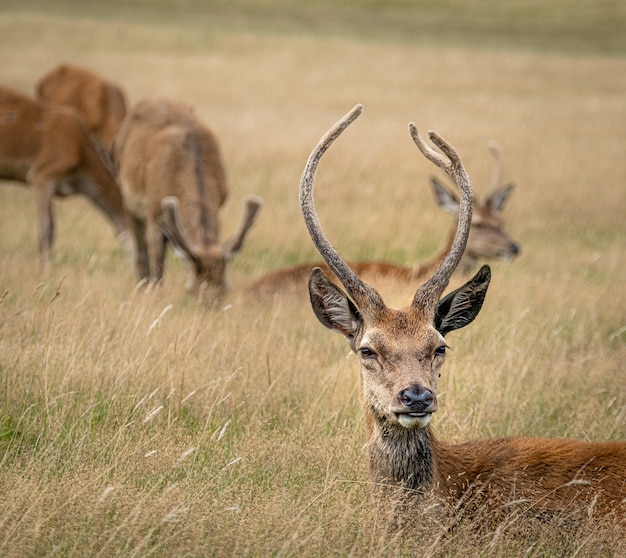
147,424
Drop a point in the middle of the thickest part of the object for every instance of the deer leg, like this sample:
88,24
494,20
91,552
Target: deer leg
140,248
43,204
156,251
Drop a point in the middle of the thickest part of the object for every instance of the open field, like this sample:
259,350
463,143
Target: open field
146,424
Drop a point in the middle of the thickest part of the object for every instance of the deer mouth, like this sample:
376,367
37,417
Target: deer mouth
414,419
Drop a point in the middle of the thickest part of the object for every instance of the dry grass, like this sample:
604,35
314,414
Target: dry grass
143,425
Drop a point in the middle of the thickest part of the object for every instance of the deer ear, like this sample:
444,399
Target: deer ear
460,307
497,199
445,199
332,306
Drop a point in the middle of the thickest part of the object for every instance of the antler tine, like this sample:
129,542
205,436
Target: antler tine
428,294
498,169
362,294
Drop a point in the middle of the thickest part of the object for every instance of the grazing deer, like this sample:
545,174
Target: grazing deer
401,353
487,240
101,102
174,184
50,149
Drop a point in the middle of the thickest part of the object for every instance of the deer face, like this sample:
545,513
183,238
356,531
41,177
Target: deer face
208,270
400,360
488,237
207,262
401,352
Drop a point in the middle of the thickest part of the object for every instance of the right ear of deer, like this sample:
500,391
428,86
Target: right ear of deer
364,296
172,226
427,296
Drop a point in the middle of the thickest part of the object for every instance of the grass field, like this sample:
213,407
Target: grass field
145,424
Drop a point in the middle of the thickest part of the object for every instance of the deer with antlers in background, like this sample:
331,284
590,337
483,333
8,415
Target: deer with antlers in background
487,239
174,184
401,353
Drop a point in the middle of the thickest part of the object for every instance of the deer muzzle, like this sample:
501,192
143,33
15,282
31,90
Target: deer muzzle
414,406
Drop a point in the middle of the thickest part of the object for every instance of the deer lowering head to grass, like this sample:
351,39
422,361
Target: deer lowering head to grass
401,353
50,149
487,239
174,184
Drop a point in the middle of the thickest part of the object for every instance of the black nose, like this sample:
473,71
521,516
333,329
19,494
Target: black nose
416,397
516,249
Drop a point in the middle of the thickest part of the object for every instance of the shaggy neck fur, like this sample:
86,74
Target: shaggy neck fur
402,457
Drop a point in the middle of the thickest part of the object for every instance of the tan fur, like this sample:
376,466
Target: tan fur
168,160
101,102
401,354
49,148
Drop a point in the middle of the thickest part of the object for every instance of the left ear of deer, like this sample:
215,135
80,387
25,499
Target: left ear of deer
401,353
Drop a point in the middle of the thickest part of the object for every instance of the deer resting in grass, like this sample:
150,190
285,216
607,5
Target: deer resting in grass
174,184
50,149
487,239
401,353
101,102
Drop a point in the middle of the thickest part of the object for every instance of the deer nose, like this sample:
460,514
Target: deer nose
416,397
515,249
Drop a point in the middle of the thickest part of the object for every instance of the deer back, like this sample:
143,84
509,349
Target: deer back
101,102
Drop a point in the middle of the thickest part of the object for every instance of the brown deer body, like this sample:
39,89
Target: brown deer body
101,102
487,239
401,353
50,149
174,184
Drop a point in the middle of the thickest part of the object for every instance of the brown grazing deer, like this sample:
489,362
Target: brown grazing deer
401,353
174,184
50,149
487,240
101,102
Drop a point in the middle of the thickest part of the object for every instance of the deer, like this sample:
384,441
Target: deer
49,148
100,101
401,353
487,239
173,184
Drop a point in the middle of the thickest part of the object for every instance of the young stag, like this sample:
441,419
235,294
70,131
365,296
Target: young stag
401,353
101,103
50,149
174,184
487,240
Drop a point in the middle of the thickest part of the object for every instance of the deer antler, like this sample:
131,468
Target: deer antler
498,168
364,295
429,293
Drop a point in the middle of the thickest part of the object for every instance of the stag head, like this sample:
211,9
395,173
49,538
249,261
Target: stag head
207,262
401,351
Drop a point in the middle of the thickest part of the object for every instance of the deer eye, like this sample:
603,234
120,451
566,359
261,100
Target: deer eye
441,350
366,352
